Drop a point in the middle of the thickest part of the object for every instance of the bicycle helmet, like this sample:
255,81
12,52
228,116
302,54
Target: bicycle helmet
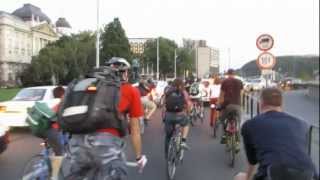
118,63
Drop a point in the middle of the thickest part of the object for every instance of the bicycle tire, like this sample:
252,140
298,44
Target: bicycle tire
36,169
171,159
232,152
215,129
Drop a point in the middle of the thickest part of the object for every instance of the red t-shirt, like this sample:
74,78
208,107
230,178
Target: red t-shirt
129,103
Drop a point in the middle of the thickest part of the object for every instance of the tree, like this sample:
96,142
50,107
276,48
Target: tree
61,61
166,55
185,61
114,42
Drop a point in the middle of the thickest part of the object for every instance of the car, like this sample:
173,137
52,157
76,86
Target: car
13,113
4,138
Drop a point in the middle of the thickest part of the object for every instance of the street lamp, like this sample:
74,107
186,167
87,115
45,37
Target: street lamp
98,36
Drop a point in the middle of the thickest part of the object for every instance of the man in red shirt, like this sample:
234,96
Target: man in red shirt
100,155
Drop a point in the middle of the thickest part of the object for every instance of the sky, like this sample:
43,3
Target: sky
224,24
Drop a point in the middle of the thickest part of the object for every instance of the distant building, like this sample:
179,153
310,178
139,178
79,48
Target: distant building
137,45
192,44
23,34
214,61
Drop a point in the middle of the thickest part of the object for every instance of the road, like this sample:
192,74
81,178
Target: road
206,160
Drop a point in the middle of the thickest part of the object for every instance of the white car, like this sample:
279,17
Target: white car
13,113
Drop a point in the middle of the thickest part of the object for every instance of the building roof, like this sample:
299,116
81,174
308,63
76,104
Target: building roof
28,10
62,22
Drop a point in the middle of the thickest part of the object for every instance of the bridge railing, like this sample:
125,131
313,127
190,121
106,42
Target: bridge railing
251,106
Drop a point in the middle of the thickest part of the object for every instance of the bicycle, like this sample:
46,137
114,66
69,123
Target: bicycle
216,124
232,136
40,166
175,152
196,111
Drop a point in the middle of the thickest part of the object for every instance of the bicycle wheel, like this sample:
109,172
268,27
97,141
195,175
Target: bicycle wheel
215,128
232,150
37,168
172,159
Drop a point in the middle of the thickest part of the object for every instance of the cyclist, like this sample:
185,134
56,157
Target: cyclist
230,99
195,96
178,104
99,155
150,107
53,135
214,92
277,142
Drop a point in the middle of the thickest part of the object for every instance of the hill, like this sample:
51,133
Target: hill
302,67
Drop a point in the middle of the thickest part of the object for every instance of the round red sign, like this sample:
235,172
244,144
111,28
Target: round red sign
264,42
266,60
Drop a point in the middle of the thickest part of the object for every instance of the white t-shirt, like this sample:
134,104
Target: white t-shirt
214,90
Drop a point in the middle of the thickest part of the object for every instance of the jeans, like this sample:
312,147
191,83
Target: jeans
54,138
95,156
170,120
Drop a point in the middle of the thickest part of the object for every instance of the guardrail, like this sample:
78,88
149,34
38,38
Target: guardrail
251,106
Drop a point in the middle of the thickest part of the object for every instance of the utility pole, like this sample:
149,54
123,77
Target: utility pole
175,63
158,58
98,36
229,60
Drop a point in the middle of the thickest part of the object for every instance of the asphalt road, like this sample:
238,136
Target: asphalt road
206,160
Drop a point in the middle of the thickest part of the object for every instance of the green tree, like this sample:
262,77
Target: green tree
61,61
166,55
185,61
114,42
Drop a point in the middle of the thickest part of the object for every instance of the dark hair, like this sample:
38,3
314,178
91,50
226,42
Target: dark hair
271,96
58,92
217,80
231,72
178,83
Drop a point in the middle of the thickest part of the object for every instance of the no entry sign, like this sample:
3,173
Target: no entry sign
266,60
264,42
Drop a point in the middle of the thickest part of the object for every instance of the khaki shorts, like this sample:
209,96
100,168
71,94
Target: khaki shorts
147,103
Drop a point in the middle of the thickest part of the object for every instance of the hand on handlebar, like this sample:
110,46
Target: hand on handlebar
141,163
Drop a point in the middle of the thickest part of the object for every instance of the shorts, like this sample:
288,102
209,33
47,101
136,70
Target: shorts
147,103
94,156
231,109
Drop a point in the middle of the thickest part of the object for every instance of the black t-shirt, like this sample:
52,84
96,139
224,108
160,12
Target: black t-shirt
232,89
276,138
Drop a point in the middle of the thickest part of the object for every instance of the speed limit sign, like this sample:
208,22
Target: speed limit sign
266,60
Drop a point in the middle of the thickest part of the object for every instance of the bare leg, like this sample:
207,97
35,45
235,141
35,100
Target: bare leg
185,132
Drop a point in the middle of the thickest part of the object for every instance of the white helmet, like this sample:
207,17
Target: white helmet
118,63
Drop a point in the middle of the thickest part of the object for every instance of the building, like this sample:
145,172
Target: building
214,61
23,34
63,27
192,44
137,45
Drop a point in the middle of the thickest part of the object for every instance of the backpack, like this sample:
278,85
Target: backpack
194,89
91,103
175,100
39,118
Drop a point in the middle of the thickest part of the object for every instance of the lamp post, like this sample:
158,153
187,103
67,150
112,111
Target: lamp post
98,37
158,58
175,63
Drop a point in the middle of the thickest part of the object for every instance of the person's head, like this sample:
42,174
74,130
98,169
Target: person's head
120,64
178,83
58,92
271,99
231,73
216,80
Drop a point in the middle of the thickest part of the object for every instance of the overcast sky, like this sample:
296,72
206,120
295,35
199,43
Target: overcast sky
233,24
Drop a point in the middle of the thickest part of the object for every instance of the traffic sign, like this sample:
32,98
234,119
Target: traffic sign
264,42
266,60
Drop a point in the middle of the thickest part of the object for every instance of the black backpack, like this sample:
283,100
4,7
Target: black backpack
91,103
175,100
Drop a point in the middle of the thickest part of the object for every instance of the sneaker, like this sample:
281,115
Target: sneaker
223,140
184,146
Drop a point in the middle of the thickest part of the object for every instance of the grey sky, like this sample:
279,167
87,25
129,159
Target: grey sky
233,24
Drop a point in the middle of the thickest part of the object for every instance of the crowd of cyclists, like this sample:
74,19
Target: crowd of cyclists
274,140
